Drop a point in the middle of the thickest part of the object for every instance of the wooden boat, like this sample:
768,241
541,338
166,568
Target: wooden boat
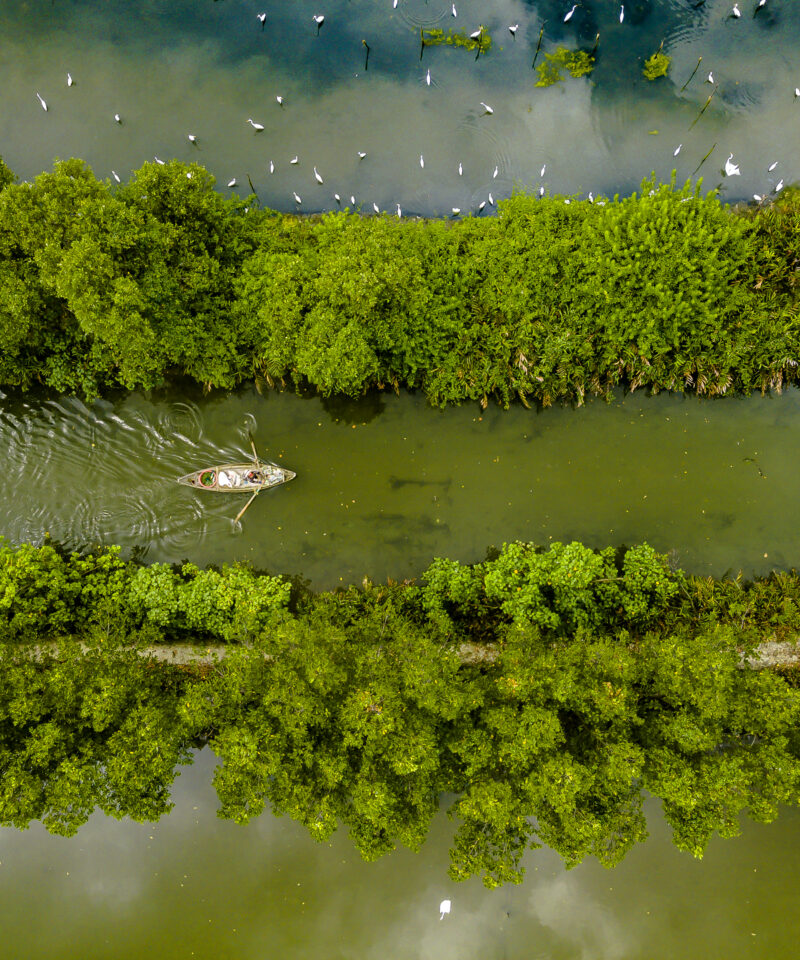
250,477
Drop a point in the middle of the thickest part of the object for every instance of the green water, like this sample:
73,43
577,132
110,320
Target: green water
195,886
386,484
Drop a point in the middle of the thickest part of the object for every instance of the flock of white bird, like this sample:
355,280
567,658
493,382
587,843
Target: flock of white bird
730,169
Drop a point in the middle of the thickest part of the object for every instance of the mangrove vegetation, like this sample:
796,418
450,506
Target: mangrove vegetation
552,299
612,675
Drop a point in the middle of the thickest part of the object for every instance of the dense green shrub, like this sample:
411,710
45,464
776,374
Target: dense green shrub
610,675
549,300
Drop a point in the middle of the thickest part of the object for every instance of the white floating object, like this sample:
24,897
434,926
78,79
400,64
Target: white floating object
42,102
444,907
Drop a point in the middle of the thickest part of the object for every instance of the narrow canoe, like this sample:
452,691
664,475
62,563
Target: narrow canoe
238,477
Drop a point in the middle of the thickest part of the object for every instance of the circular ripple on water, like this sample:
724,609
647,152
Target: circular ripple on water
182,422
428,18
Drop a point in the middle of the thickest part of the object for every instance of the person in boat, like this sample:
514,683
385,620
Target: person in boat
255,476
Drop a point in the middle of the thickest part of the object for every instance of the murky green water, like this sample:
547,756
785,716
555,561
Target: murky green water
385,485
175,67
196,886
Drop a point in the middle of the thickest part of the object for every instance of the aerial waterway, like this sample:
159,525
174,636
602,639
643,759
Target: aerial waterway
386,483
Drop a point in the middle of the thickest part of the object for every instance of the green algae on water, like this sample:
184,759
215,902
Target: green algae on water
576,62
656,66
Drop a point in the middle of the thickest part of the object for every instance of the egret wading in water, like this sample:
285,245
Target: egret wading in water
258,127
297,199
486,107
319,19
279,98
422,161
399,211
710,77
456,211
513,30
361,154
337,198
232,183
736,12
779,186
444,907
262,17
453,11
118,118
621,13
295,160
568,17
541,172
70,81
317,177
772,166
271,167
495,172
428,77
42,102
460,170
375,207
481,205
677,150
114,175
731,169
759,5
159,162
191,138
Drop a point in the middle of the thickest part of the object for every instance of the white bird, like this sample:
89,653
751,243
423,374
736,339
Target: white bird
118,118
422,161
677,150
475,34
319,19
513,30
296,197
114,175
361,154
591,197
797,92
42,102
486,107
191,138
428,77
779,186
491,199
456,211
710,77
621,13
731,169
495,172
70,81
399,211
258,127
232,183
262,18
453,10
352,200
295,160
460,170
757,197
541,172
541,191
279,98
159,162
759,5
772,166
337,198
444,907
375,207
736,12
481,205
568,17
317,177
394,4
189,177
271,167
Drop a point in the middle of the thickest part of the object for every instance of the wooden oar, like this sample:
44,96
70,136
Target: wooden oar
255,455
240,514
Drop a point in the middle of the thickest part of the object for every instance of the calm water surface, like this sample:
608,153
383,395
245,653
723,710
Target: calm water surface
174,67
386,484
195,886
